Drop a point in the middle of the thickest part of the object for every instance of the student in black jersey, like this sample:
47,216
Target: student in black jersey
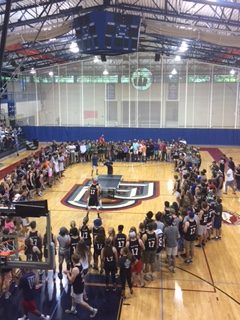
190,235
76,279
36,238
85,234
75,238
125,263
98,244
150,243
93,199
120,239
109,261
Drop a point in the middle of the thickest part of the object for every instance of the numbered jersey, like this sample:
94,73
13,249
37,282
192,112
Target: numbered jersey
86,235
204,218
36,240
93,191
159,242
73,244
109,260
120,241
151,242
93,196
191,233
98,245
135,248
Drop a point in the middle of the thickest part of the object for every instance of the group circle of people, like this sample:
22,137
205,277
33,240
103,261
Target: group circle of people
133,257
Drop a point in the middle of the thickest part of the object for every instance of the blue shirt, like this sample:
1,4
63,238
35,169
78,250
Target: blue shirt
27,284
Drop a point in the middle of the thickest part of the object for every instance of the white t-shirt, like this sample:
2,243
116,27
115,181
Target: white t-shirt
230,176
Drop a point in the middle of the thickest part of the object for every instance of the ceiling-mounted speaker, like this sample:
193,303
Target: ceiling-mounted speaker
103,58
157,57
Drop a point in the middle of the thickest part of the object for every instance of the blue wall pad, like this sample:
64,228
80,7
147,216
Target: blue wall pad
193,136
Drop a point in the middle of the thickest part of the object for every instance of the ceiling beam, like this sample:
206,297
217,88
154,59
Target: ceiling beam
21,7
218,3
4,33
61,14
173,14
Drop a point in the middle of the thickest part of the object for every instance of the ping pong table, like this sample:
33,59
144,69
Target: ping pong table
109,184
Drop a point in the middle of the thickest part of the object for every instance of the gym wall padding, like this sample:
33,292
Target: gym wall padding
229,137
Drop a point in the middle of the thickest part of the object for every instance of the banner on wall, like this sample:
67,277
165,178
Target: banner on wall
11,108
90,114
173,91
110,91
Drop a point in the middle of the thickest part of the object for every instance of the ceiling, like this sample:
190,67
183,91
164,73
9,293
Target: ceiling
39,33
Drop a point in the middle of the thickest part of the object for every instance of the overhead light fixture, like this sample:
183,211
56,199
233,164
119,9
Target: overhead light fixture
170,76
105,72
51,73
184,46
232,72
33,71
174,71
178,58
96,60
74,47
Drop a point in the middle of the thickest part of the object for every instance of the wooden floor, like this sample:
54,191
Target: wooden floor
207,289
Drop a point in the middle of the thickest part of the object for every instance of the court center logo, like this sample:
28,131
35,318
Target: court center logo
231,218
128,194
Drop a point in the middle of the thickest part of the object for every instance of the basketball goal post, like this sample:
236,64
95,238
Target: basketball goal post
29,209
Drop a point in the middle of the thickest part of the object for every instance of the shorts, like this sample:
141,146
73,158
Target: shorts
138,266
29,306
64,255
189,245
202,230
77,297
177,194
217,223
209,225
150,256
93,203
171,251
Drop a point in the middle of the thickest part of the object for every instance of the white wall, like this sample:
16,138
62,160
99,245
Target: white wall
206,104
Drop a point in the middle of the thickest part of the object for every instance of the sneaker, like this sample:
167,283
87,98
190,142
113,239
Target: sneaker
94,312
7,295
23,318
170,269
147,277
46,317
71,311
187,261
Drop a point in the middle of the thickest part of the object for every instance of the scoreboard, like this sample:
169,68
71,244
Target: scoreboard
103,32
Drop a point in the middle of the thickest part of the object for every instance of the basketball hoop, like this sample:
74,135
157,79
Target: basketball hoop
9,248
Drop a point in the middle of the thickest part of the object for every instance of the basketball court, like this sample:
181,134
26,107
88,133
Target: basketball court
211,283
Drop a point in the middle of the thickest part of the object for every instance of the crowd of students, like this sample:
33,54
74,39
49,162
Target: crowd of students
9,137
134,256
